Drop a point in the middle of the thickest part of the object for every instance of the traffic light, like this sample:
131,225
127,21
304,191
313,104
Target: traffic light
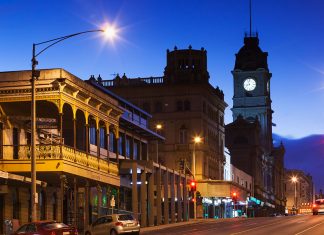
234,196
193,185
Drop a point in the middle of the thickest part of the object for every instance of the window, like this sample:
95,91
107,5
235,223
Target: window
103,142
112,142
187,105
135,151
15,140
183,135
179,105
93,135
128,148
158,107
120,144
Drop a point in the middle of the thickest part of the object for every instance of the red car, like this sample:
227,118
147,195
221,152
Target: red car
46,228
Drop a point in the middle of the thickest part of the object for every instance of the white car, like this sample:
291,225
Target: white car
318,206
114,224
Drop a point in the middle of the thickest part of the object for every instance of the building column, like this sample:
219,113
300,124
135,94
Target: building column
166,197
172,192
98,143
158,196
185,200
75,197
151,198
87,138
63,179
61,134
117,150
179,197
143,199
134,190
74,134
86,205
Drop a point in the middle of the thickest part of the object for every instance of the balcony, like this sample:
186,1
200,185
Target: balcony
59,158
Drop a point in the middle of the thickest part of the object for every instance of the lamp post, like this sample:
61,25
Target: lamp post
110,33
157,128
295,180
196,140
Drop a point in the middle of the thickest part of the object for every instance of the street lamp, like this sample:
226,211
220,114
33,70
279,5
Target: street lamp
295,180
157,128
196,140
110,32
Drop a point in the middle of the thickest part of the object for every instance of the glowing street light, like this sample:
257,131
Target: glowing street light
157,128
294,179
110,32
196,140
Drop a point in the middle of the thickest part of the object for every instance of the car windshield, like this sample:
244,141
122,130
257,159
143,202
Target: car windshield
319,202
54,225
125,217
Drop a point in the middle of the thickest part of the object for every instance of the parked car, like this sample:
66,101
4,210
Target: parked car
46,228
114,224
318,206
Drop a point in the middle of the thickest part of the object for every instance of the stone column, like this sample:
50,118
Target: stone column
179,197
134,190
143,199
158,196
151,199
172,191
185,200
166,197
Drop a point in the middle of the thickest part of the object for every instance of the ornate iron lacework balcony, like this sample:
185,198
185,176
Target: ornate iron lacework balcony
58,152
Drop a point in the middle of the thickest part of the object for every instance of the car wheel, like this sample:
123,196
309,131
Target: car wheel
87,233
113,232
136,233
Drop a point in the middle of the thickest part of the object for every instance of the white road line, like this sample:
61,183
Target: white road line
309,228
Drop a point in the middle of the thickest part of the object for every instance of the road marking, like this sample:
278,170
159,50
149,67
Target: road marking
309,228
253,229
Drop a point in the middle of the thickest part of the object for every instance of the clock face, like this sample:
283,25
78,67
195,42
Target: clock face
249,84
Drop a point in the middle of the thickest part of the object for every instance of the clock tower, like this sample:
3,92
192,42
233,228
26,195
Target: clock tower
251,98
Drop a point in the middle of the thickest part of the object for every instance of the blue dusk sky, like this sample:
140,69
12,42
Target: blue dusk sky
291,31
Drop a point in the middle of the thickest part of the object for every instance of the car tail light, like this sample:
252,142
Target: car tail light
314,205
53,233
119,224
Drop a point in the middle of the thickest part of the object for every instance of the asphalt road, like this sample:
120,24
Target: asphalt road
286,225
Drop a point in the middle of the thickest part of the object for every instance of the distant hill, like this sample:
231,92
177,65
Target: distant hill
306,154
